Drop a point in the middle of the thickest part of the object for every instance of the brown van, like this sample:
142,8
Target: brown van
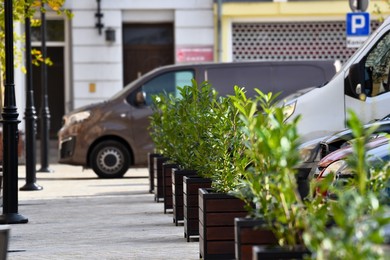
112,136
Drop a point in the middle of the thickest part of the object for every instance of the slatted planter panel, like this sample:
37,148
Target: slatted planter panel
217,212
191,185
158,178
167,169
177,193
151,157
250,232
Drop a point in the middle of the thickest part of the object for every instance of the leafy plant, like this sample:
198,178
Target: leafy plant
351,227
195,116
227,149
201,131
160,126
269,183
180,125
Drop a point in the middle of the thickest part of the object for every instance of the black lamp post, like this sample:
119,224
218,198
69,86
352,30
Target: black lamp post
30,116
99,17
44,111
10,128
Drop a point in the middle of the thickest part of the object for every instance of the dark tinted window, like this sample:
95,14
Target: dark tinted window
286,79
223,79
290,78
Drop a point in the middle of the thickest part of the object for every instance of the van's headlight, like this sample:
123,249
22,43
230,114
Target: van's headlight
78,117
289,109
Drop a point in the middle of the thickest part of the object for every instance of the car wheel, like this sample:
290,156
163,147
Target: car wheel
110,159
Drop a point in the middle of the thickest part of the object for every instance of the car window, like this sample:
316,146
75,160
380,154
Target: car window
167,82
377,68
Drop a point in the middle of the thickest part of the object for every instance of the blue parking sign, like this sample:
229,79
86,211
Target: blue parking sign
358,24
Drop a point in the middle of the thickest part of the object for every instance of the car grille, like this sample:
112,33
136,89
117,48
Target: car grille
67,147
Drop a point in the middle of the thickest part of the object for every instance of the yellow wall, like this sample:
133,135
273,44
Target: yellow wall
285,11
280,9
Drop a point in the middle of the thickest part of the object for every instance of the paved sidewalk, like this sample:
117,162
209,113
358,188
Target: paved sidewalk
78,216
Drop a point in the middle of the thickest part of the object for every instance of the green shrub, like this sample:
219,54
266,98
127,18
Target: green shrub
350,227
269,185
201,131
162,124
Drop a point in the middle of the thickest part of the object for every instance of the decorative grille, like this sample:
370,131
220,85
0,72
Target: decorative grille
291,41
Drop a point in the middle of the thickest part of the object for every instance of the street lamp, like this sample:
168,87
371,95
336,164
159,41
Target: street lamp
10,128
30,115
44,111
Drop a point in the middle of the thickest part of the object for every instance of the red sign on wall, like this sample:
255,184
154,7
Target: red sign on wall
194,54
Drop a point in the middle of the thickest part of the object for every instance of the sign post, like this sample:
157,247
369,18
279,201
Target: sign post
358,28
358,5
358,23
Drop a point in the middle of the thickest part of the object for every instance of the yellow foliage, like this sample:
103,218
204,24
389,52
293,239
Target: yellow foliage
54,4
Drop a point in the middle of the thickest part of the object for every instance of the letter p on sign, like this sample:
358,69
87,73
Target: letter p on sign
358,24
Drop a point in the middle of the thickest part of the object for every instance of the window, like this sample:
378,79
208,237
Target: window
167,82
377,67
54,31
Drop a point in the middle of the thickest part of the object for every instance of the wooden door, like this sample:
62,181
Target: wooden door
145,47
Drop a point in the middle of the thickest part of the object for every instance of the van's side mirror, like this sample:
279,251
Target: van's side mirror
356,78
140,98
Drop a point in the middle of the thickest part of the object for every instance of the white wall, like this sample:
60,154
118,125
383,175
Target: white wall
194,27
94,61
20,81
140,4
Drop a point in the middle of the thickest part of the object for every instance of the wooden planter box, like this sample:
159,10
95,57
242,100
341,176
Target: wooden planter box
217,212
191,185
151,157
177,193
158,177
249,232
167,184
277,252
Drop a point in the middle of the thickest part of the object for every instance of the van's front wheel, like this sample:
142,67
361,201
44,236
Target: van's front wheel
110,159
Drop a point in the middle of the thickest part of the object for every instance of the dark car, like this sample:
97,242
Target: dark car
335,164
338,175
313,151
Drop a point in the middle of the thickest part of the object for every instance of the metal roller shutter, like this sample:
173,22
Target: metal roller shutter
291,41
